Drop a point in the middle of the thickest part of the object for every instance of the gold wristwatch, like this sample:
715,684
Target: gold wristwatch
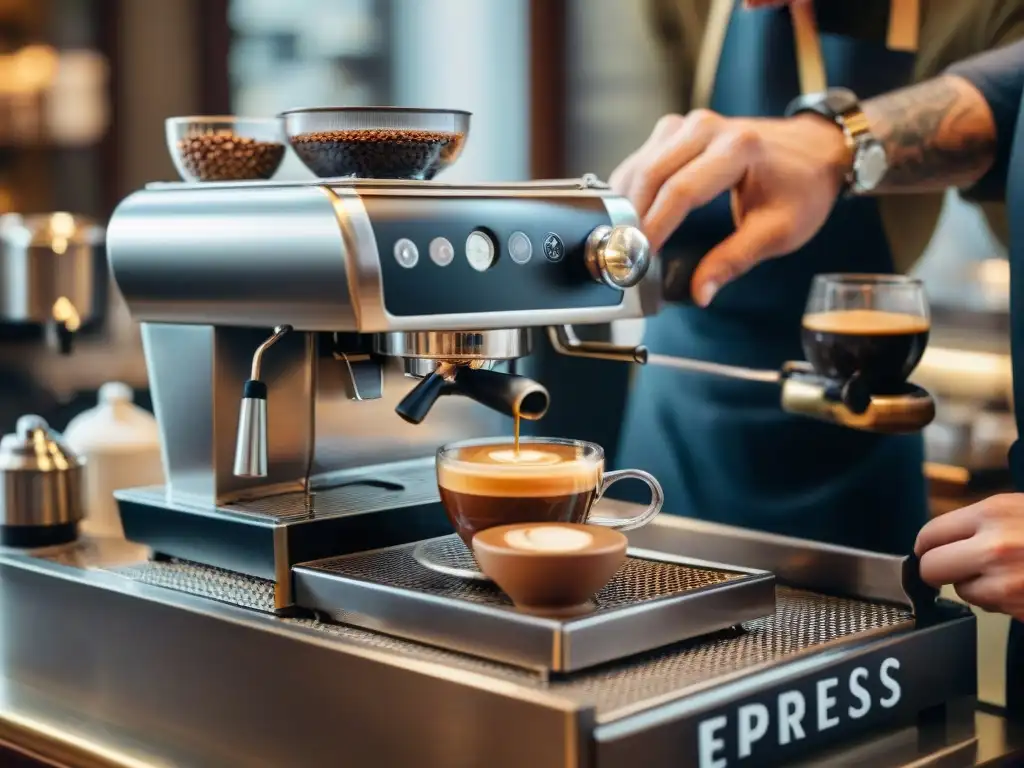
842,107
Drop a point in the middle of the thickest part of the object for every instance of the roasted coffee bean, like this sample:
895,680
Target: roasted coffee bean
224,156
377,153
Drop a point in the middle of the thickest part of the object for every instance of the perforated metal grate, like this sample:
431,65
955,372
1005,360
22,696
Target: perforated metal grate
636,582
802,622
204,581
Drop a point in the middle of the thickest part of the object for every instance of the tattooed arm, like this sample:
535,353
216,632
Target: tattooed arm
938,134
784,175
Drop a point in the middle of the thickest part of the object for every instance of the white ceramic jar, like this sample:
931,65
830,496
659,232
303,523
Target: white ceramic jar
121,445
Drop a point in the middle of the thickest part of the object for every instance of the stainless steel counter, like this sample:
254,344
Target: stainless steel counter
106,669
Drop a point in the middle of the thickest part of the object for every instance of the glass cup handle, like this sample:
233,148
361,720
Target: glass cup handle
630,523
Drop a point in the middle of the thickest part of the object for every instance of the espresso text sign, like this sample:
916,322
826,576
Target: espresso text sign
795,714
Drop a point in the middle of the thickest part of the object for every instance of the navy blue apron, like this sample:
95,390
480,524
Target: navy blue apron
724,450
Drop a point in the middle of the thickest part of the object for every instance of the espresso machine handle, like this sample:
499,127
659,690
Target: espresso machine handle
618,257
565,342
804,392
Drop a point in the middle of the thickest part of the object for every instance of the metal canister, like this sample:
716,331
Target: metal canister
41,487
49,273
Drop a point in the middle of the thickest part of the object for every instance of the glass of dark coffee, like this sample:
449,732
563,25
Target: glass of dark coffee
486,483
870,327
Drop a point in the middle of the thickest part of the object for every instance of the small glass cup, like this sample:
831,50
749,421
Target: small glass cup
870,327
485,483
225,148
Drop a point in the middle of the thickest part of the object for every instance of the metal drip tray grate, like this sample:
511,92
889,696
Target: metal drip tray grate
802,622
638,581
203,581
654,600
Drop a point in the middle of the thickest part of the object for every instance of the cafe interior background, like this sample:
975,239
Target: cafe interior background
86,84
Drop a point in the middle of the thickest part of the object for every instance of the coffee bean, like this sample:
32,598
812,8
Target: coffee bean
225,156
378,153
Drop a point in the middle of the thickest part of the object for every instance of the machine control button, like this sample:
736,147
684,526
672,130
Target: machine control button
619,256
406,253
480,251
554,248
520,249
442,252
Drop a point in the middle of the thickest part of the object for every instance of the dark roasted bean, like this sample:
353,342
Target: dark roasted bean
225,156
377,153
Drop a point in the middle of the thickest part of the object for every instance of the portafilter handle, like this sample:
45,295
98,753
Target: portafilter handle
251,440
850,404
804,392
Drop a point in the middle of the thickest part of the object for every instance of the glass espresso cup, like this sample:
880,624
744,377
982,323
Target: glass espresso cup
872,327
486,483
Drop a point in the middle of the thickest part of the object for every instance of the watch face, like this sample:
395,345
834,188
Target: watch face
870,166
840,100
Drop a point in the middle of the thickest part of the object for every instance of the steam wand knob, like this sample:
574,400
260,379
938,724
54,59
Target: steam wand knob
618,256
251,442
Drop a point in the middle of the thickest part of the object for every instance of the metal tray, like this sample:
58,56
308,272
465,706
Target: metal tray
655,600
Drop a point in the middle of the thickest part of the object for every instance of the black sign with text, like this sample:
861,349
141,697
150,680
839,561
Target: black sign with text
881,685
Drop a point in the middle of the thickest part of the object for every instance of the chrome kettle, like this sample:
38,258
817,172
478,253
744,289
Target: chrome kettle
41,487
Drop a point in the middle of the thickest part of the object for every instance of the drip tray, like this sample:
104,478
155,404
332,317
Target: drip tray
655,600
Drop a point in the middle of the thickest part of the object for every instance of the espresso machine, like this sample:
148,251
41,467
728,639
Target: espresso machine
271,608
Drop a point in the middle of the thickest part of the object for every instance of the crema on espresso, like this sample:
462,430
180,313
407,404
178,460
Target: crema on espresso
881,347
483,486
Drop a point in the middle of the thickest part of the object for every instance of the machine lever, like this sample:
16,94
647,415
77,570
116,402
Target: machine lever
563,338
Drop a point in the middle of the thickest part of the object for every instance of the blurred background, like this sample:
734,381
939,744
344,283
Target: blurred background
86,84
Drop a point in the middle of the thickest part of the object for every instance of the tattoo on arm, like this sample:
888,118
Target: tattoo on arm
937,134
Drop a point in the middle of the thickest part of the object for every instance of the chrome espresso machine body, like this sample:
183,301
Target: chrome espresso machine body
268,607
350,275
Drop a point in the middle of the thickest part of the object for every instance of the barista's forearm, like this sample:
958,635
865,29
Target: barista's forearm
937,134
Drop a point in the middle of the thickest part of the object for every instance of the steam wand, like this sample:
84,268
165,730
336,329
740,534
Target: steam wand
251,441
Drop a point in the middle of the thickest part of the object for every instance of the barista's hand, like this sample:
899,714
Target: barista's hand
785,176
980,550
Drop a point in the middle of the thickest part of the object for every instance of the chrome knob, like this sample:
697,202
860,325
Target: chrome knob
618,256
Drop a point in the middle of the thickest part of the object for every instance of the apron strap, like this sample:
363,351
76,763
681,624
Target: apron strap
902,35
711,52
904,25
810,62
